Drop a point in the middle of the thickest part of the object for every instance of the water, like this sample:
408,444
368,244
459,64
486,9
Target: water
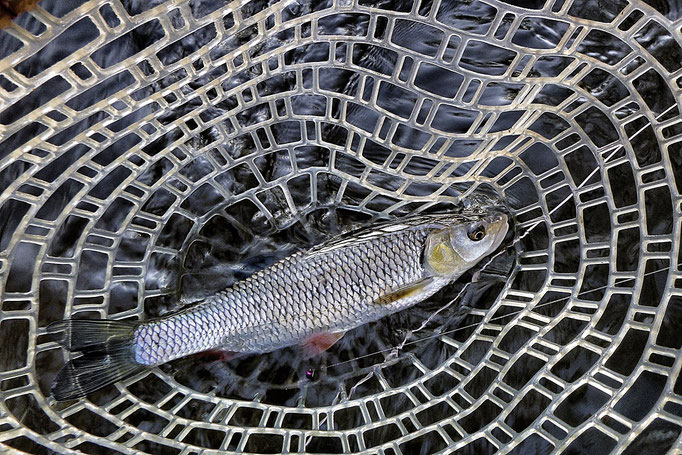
223,205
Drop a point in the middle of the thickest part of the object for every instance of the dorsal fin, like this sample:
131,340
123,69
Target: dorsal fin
363,234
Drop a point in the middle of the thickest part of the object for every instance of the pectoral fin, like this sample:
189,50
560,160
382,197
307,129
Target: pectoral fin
404,292
319,343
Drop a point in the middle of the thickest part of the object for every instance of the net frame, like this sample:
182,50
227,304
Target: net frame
223,69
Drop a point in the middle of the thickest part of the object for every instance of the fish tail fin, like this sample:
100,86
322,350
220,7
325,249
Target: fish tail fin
107,355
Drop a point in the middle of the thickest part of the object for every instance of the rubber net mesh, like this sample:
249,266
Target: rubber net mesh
150,150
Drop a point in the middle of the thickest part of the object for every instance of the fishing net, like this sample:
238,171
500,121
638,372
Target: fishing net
154,152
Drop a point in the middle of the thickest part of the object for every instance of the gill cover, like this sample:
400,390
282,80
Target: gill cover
439,256
453,250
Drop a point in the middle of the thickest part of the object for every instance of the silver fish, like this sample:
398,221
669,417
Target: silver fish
310,298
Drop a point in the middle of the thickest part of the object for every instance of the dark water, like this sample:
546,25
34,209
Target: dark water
236,236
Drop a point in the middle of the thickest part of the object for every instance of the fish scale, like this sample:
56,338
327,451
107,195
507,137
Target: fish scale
310,298
299,296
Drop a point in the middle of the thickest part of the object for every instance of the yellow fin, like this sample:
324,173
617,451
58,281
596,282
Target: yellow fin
404,292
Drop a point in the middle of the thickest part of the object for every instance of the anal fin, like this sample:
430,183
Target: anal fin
319,343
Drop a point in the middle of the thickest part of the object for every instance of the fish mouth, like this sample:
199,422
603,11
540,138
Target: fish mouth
498,225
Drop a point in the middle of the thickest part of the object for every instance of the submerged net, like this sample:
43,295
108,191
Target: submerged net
154,152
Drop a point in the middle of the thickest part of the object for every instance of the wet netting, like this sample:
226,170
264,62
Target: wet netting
154,152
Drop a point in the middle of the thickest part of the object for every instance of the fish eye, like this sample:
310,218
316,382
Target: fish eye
476,233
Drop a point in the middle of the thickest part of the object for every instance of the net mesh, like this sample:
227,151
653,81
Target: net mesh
144,145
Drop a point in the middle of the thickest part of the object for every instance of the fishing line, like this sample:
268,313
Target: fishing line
497,318
615,148
502,251
396,349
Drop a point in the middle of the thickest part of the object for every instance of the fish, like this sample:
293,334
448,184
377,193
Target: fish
310,298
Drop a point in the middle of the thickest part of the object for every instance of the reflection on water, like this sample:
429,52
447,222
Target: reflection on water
189,260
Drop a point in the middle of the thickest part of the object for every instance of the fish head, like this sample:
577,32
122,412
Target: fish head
456,247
